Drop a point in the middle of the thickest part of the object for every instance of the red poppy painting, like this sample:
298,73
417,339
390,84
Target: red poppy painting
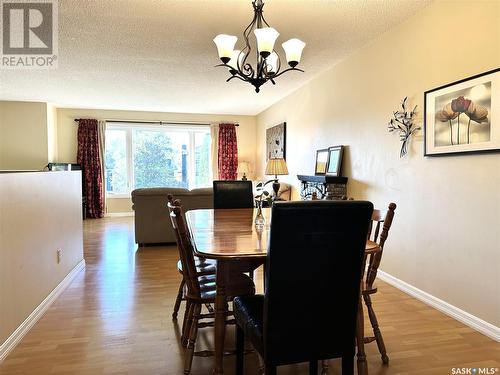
463,116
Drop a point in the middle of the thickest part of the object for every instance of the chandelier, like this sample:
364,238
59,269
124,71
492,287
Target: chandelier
268,63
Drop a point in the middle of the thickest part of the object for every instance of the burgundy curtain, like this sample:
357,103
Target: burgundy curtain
228,152
88,158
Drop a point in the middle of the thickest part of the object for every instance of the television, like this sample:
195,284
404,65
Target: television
64,167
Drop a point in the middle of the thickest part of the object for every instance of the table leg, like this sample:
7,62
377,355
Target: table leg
221,310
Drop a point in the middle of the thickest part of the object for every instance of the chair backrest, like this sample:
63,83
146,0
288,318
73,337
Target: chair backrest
185,247
233,194
314,262
380,218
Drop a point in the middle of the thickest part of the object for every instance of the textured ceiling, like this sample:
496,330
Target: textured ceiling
158,55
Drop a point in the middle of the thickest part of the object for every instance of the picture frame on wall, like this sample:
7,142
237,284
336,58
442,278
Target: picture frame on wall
321,162
335,155
464,116
276,142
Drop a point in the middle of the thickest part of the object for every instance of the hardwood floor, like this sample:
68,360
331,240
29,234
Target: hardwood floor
115,318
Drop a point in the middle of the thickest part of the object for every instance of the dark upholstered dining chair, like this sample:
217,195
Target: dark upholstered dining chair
233,194
329,238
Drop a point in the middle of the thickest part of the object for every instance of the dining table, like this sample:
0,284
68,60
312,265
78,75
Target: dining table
230,237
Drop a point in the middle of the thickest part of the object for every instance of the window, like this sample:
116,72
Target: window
142,156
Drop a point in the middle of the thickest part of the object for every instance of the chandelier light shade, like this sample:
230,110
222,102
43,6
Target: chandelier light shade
272,62
293,50
267,65
236,58
266,37
225,46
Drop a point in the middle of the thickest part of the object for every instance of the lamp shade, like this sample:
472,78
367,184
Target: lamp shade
272,63
266,37
225,46
276,167
243,167
236,58
293,50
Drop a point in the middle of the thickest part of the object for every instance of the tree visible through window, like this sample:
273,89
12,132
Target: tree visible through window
139,156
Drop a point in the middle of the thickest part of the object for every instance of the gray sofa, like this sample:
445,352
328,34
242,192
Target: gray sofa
152,223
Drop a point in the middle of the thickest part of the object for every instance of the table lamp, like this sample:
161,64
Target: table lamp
243,167
276,167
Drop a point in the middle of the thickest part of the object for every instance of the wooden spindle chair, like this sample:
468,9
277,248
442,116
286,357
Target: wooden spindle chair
196,293
204,268
379,231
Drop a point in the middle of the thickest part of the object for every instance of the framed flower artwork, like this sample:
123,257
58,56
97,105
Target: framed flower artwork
463,116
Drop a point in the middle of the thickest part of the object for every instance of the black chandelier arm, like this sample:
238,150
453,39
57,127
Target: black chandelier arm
263,19
258,7
260,68
236,73
246,34
237,76
247,71
287,70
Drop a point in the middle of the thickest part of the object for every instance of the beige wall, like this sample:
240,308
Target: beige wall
67,133
52,152
445,237
30,234
24,135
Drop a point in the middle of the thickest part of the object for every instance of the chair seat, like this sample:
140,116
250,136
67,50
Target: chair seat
241,285
207,267
249,315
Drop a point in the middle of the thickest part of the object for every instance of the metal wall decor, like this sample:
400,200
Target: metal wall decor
403,124
268,64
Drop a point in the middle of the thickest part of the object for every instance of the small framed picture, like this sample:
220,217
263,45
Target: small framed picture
334,166
321,161
463,116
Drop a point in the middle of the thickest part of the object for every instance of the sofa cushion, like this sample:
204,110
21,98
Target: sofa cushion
152,221
202,191
159,191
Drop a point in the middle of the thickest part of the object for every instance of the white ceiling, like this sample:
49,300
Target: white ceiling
158,55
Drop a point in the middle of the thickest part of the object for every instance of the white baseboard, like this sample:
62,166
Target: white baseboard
30,321
119,214
462,316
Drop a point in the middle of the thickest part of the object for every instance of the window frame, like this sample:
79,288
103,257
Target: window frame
128,127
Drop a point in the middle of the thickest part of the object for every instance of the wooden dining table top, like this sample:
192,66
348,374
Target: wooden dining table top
231,233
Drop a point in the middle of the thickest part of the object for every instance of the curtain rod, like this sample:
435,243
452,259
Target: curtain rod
158,122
